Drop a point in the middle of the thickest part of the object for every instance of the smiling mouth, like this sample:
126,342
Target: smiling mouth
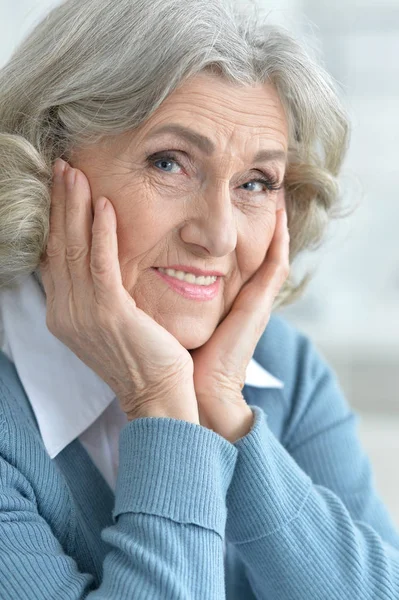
189,277
190,289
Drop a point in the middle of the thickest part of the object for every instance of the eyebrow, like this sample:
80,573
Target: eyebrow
208,147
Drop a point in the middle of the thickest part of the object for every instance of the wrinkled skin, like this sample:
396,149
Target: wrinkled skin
200,212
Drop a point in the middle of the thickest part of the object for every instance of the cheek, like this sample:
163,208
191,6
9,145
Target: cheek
138,230
143,222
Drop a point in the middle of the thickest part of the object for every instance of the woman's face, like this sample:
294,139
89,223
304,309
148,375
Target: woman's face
200,207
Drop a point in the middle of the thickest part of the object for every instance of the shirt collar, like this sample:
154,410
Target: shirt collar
65,394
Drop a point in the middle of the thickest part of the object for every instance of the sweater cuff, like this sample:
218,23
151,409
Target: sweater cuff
174,469
268,488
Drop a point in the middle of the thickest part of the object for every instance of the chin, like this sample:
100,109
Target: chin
189,337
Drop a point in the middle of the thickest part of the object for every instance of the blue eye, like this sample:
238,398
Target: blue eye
163,160
270,184
263,182
166,158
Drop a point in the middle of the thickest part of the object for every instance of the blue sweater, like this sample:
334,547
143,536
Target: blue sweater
294,499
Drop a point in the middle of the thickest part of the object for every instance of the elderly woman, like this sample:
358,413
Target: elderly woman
163,435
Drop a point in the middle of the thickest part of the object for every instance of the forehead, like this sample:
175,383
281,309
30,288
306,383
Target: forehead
207,100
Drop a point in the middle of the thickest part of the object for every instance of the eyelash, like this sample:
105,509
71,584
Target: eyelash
270,181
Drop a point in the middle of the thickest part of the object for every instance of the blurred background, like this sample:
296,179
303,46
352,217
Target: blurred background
351,308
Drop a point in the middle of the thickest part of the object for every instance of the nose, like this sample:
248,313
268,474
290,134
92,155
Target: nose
212,228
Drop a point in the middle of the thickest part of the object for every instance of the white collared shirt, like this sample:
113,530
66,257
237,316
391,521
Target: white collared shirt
68,398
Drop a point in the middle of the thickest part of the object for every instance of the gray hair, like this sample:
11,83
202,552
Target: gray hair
93,68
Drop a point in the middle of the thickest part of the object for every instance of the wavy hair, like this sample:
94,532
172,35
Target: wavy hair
93,68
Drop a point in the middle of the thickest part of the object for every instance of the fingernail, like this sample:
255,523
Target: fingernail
101,203
59,168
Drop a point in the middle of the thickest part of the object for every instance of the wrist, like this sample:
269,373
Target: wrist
228,415
182,406
163,413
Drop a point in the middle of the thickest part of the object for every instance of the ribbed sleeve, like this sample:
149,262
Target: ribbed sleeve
305,517
295,499
181,472
167,539
268,489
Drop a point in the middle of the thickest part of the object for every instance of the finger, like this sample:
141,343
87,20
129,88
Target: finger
262,289
236,337
78,226
52,262
241,330
277,262
104,261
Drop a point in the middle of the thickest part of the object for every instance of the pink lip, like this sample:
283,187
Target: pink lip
191,290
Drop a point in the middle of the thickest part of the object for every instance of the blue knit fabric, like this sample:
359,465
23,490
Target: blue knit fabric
295,500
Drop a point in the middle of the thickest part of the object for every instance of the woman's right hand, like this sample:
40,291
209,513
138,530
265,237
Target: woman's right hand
92,313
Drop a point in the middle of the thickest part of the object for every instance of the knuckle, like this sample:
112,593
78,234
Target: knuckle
99,266
54,246
76,253
74,208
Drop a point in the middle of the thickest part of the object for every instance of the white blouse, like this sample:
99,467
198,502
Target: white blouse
68,398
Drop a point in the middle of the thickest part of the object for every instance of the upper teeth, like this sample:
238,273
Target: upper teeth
189,277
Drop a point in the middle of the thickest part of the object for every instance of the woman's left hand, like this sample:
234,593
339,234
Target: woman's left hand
220,364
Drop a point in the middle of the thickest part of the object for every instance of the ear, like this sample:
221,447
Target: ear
281,199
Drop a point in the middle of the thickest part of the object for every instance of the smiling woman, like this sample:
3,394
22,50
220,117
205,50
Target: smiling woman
246,52
203,198
163,434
